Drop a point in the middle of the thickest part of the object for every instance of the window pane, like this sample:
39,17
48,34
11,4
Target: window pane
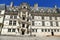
9,30
13,30
32,30
48,30
33,23
23,18
54,30
10,22
45,30
23,25
51,23
57,30
14,22
42,30
43,24
42,17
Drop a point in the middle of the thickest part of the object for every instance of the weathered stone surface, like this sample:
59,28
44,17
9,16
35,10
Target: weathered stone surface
28,38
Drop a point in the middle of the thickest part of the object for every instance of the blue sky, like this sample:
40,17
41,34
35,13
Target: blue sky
42,3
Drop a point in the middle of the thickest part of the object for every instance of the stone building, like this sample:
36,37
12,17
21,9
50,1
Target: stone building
28,20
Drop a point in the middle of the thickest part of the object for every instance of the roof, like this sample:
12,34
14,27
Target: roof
2,6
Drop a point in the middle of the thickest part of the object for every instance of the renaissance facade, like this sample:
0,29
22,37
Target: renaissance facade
27,20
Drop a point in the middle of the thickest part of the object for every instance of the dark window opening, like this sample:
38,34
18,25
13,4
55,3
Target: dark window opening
51,23
33,23
14,22
24,7
32,17
23,25
23,18
54,30
48,30
42,17
57,30
13,30
27,19
22,32
32,30
52,33
9,30
27,26
45,30
43,23
42,30
56,23
10,22
18,29
36,30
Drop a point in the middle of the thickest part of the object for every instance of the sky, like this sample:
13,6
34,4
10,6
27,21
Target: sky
41,3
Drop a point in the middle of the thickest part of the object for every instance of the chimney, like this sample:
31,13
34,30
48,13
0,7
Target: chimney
55,6
36,5
11,4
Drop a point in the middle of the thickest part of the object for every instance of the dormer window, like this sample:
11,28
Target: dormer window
49,11
24,7
42,10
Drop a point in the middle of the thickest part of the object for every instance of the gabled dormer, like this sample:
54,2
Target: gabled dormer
24,6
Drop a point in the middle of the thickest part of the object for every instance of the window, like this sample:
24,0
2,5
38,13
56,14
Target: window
27,19
46,17
53,18
47,23
45,30
32,17
9,30
15,17
33,23
36,30
23,25
54,30
43,23
14,22
10,22
11,16
39,17
48,30
42,17
23,18
24,7
42,30
51,30
58,18
51,23
13,30
56,23
57,30
32,30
